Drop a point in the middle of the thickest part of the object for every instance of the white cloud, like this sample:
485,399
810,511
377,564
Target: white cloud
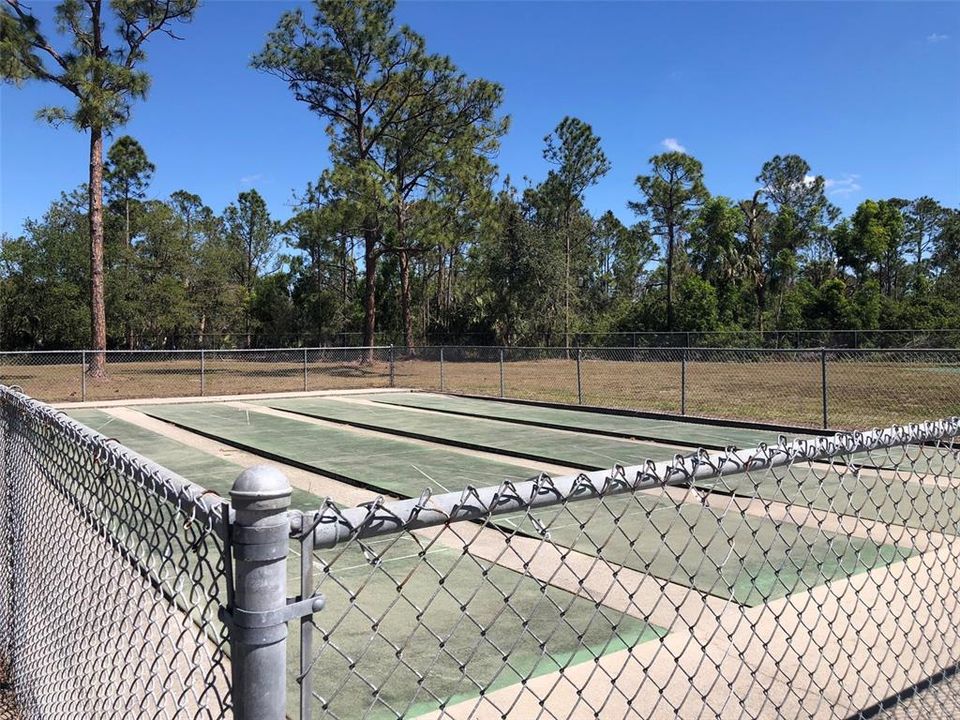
849,183
937,38
250,179
673,145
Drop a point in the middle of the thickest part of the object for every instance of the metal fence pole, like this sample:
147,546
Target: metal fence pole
683,381
83,375
203,373
259,543
393,377
501,372
579,382
304,369
441,368
823,384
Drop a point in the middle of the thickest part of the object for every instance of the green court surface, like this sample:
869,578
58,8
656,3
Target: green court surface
447,634
747,559
397,467
463,604
204,469
576,450
677,432
899,500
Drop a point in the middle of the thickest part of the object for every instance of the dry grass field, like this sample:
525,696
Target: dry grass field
785,389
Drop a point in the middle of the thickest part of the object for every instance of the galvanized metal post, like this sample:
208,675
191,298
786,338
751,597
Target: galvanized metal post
304,369
441,368
393,377
259,543
203,373
501,372
683,381
83,375
823,385
579,383
306,624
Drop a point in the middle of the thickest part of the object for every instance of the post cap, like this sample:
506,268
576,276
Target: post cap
261,487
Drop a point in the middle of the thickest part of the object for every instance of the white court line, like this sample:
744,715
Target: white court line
384,562
435,482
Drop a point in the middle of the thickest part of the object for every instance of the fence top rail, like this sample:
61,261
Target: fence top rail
532,348
207,351
331,525
189,499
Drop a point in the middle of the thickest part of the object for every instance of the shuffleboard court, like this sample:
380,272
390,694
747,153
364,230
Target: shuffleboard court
868,495
677,432
746,559
576,450
572,629
397,467
452,625
206,470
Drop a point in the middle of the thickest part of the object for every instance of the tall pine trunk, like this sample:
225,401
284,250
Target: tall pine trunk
670,243
404,257
98,315
370,291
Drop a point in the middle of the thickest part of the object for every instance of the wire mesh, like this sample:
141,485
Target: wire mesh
113,576
795,387
809,579
865,385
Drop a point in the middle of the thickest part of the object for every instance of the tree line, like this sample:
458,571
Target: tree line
412,236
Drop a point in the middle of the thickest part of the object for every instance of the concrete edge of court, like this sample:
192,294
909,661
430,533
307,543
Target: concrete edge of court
225,398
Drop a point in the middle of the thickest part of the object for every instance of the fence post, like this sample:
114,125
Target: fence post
203,372
579,383
304,369
683,381
393,377
823,384
83,375
441,368
259,542
501,372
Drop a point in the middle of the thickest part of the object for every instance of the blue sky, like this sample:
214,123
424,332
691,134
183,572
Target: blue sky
868,93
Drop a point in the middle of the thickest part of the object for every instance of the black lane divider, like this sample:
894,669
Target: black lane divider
874,710
340,477
440,440
565,428
690,419
625,436
282,459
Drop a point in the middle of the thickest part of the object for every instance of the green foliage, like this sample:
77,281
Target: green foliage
100,72
404,233
671,195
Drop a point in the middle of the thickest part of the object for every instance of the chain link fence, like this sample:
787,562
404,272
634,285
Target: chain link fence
787,339
813,579
112,571
66,376
818,578
804,388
